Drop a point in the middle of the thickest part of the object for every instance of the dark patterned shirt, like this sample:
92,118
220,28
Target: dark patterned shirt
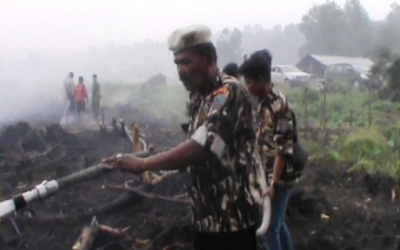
275,130
225,187
95,91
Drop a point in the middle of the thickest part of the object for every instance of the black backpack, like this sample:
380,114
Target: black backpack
300,156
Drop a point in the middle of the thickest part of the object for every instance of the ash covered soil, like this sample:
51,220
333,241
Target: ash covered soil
329,209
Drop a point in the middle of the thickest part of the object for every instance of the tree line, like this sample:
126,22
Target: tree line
328,29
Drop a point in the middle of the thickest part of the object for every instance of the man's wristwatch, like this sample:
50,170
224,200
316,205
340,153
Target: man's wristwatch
120,158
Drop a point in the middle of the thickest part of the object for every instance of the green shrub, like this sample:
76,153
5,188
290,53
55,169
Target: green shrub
392,135
340,88
386,106
365,150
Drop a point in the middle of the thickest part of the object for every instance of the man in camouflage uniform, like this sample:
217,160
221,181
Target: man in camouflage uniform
231,69
276,134
224,167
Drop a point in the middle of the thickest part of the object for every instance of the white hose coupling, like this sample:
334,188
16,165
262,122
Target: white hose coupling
46,188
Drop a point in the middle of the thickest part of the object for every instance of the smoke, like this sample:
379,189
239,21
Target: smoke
32,89
27,90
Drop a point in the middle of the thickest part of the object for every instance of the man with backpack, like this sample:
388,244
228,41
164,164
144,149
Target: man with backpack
276,139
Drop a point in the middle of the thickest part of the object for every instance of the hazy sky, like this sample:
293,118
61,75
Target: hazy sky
65,26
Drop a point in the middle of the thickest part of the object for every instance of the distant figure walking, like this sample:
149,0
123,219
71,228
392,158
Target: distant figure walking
69,90
80,96
95,96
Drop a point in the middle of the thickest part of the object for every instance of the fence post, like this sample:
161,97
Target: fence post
324,117
369,107
305,107
351,118
323,90
321,118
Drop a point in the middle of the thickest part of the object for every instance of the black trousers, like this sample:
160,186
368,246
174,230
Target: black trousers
71,99
95,106
240,240
80,107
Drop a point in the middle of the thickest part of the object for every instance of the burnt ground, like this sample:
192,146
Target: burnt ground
330,209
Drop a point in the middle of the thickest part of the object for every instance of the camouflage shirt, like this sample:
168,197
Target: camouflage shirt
225,187
275,130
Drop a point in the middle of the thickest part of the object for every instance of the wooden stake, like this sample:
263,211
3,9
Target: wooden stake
137,144
351,118
369,107
102,119
324,116
325,132
305,107
321,117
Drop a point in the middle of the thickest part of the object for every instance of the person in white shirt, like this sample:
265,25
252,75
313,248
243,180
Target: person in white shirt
69,90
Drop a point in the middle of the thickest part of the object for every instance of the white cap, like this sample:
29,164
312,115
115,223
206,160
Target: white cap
189,36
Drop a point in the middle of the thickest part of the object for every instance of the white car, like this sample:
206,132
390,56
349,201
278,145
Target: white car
289,74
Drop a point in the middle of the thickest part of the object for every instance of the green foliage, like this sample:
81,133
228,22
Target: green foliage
388,33
334,30
340,88
375,150
393,137
387,66
311,95
323,34
386,107
368,150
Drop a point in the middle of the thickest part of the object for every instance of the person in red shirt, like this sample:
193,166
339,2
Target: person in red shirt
80,96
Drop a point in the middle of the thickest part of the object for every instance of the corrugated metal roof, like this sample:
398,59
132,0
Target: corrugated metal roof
328,60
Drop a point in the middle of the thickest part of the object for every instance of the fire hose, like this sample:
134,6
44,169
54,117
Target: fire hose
47,189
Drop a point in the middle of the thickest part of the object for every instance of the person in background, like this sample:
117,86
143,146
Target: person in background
69,86
275,136
231,69
80,96
95,96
